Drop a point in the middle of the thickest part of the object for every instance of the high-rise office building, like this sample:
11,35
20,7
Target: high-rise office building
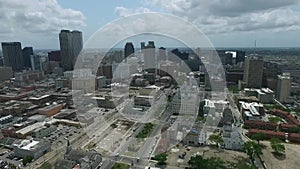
1,61
283,87
143,46
36,62
71,44
149,56
129,49
27,52
12,54
54,56
240,56
162,54
253,72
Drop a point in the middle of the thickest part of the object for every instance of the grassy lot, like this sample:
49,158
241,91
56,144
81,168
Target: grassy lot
145,132
120,166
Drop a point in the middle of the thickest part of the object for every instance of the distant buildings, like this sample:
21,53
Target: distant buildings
225,57
128,50
283,87
240,56
143,45
149,56
71,44
253,72
36,62
54,56
162,54
27,52
12,54
6,73
28,77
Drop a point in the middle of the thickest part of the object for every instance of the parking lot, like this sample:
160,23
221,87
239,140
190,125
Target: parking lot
62,134
57,138
7,159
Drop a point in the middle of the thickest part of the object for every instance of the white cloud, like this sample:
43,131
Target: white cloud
26,19
219,16
123,12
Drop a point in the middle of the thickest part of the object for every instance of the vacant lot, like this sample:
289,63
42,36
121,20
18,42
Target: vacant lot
290,162
225,155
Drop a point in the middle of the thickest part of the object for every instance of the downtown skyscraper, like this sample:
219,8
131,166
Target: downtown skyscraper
128,49
12,54
71,44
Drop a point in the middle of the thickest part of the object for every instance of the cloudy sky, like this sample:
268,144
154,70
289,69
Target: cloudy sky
227,23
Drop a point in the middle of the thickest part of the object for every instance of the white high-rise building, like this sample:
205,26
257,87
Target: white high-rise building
283,87
149,56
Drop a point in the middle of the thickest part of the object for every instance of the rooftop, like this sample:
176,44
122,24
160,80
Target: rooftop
26,144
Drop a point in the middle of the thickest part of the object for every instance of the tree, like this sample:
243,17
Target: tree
258,137
120,166
277,146
251,148
46,165
198,162
27,159
216,139
161,158
275,119
12,166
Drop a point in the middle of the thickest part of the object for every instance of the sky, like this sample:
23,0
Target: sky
226,23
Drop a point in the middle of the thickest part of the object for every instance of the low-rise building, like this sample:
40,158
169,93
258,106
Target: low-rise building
50,110
40,100
6,119
15,107
251,111
212,106
43,131
143,101
107,101
28,77
28,130
192,138
30,148
264,95
79,159
6,73
234,141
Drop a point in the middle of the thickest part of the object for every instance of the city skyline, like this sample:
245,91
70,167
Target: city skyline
271,24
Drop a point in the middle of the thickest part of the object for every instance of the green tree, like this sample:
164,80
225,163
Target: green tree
46,165
295,129
251,148
198,162
27,159
12,166
161,158
277,145
275,119
258,137
120,166
216,139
